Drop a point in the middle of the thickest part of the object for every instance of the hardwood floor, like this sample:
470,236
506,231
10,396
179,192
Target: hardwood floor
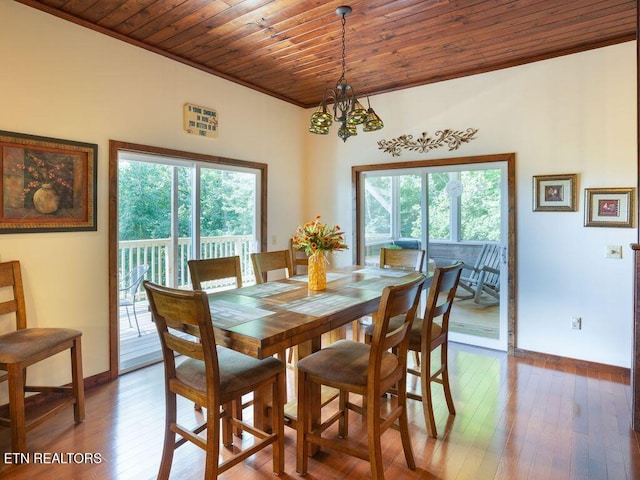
517,419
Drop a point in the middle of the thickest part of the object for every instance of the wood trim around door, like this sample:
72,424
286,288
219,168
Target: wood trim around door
114,148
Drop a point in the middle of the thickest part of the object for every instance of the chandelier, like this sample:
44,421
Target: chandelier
347,110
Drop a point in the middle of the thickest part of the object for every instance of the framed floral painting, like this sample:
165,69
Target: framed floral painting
48,185
609,207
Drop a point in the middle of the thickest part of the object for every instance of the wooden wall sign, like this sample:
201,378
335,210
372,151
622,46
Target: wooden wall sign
200,121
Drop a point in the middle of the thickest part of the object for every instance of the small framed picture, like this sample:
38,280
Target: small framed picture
554,193
609,207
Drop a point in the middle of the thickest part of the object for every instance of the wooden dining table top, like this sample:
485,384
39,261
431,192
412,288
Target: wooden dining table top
264,319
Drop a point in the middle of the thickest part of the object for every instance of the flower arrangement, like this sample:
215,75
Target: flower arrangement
317,238
41,169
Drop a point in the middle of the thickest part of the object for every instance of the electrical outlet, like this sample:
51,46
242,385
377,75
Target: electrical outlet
576,323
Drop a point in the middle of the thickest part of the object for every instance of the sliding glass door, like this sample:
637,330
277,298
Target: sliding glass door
171,210
455,213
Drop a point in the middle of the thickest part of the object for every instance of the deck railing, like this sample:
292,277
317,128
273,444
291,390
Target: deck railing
158,255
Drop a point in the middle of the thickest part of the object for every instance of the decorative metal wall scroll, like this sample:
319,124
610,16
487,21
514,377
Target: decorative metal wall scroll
452,138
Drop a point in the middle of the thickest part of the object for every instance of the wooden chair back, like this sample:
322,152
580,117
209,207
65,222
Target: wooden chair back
209,269
11,277
440,298
264,262
176,312
299,260
402,259
399,300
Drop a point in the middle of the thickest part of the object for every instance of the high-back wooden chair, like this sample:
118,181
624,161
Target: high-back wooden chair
212,376
402,259
24,347
264,262
210,269
430,332
367,370
299,260
396,259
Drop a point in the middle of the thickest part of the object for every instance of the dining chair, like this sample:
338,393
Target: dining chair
212,376
299,260
264,262
427,334
211,269
396,259
205,272
24,347
364,369
401,259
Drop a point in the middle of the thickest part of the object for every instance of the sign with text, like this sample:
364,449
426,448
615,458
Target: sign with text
200,121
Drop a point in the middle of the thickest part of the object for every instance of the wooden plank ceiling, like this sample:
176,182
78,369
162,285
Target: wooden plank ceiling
291,49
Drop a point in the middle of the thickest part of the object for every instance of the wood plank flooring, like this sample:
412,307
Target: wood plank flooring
516,419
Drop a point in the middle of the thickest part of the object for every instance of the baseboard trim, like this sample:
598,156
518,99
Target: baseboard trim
573,362
39,399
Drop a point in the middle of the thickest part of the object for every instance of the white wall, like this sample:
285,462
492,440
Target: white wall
64,81
574,114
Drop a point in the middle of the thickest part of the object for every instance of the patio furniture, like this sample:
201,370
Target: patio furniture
214,377
23,347
130,285
484,276
366,370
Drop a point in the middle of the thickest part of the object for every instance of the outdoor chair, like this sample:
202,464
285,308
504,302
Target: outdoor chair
24,347
483,277
212,376
129,287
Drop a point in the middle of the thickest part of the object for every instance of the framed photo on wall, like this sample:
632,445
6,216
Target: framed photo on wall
609,207
48,184
554,193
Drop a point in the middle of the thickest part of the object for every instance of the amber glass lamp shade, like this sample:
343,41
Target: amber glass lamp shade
358,114
373,122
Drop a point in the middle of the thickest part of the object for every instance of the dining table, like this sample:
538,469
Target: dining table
266,319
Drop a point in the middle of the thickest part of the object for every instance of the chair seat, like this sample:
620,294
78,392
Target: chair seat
238,372
20,345
346,361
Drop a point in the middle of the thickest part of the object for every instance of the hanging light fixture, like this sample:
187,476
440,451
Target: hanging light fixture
347,110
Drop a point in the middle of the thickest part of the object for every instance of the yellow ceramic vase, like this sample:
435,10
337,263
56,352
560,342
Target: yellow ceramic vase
317,271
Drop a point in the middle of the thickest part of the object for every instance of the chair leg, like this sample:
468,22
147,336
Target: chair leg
304,425
375,447
279,399
77,380
135,316
126,309
343,422
445,378
227,429
16,408
427,401
212,450
403,421
169,437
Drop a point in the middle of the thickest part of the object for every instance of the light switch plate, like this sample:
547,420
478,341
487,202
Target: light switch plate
613,251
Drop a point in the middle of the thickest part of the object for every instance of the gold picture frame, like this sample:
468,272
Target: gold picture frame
555,193
609,207
48,184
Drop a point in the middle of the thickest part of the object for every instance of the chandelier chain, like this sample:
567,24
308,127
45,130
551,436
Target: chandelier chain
344,48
